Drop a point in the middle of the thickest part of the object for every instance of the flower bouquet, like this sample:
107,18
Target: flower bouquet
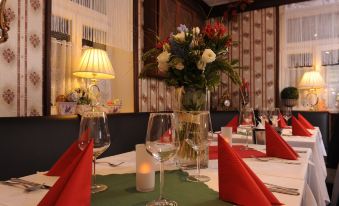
191,61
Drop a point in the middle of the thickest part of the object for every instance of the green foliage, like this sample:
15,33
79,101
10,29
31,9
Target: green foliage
188,52
289,93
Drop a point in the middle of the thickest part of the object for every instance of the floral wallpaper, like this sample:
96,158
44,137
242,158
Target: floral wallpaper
21,58
255,32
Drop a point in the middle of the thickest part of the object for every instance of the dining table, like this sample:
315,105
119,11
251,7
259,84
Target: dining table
122,191
317,167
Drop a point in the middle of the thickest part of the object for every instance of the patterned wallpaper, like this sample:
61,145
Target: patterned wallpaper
21,60
256,33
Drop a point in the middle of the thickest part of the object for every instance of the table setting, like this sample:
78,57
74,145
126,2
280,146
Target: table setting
274,174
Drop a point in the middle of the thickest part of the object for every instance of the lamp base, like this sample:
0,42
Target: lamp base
312,100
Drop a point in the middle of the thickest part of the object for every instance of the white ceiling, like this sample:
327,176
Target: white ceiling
217,2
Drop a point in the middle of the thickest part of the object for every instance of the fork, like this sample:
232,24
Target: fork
278,161
112,164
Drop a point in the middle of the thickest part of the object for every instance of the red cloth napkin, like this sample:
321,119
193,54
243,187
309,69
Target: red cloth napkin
282,123
74,185
213,152
298,129
277,146
304,122
166,137
237,183
68,157
233,123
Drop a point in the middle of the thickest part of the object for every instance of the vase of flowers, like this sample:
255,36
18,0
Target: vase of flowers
191,61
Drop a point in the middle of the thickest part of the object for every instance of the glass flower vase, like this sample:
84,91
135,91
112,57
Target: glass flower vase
188,103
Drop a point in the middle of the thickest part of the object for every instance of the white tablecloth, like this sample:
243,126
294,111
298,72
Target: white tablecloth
279,174
317,168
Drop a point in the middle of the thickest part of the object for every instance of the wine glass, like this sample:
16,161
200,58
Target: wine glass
287,113
94,126
274,116
162,144
247,122
198,134
263,115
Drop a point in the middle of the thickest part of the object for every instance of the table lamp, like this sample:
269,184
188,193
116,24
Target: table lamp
312,80
95,65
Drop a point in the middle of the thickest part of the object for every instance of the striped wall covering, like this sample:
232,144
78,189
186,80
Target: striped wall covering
21,60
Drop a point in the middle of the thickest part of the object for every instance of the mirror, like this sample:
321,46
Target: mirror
80,25
3,22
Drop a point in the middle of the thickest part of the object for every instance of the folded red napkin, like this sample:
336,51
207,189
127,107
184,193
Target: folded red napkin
213,152
68,157
282,123
277,146
237,183
298,129
74,185
166,137
304,122
233,123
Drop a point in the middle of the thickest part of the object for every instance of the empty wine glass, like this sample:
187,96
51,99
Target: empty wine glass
263,115
274,116
162,144
287,113
198,134
247,122
94,126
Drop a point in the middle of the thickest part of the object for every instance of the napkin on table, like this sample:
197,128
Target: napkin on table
233,123
277,146
74,185
298,129
68,157
237,183
282,123
304,122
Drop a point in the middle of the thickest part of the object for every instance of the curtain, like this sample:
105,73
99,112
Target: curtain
309,40
62,80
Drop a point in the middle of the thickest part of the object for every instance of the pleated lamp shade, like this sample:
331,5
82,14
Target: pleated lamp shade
95,64
311,80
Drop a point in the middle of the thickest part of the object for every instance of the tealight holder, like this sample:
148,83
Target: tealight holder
226,132
145,174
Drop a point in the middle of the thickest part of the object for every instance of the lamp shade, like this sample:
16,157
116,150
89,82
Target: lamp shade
95,64
311,80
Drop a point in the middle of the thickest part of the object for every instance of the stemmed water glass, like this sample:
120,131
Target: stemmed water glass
247,122
198,135
274,116
162,144
94,126
263,115
287,114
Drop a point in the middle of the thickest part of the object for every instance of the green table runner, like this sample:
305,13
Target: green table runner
122,191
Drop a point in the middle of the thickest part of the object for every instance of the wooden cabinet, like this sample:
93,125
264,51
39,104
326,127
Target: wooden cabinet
162,17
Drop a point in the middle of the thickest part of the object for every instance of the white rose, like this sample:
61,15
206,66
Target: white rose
196,31
163,57
201,65
180,37
163,66
179,66
208,56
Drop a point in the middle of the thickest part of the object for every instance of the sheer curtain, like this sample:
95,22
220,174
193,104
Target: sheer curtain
309,40
61,68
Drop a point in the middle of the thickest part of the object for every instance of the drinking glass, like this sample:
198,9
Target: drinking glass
247,122
263,115
198,135
94,126
274,116
287,113
162,144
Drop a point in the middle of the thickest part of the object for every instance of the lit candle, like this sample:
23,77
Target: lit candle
145,175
